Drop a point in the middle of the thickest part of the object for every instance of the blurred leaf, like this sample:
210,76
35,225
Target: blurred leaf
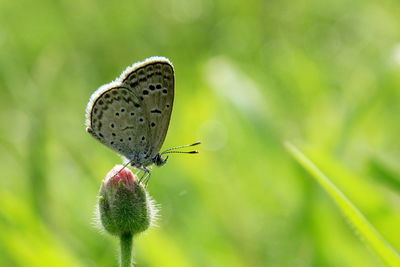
385,174
367,232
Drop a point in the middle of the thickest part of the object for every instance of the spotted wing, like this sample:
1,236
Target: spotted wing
152,81
116,118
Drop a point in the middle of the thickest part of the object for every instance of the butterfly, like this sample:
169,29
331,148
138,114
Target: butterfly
131,115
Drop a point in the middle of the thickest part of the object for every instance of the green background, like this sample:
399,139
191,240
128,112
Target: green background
250,75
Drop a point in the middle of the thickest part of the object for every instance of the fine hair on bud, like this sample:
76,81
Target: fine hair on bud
124,206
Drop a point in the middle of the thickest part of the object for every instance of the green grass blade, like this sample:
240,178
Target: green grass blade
366,231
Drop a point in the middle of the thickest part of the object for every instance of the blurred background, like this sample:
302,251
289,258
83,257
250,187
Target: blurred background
324,75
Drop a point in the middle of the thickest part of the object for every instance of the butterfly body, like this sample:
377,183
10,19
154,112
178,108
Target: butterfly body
131,115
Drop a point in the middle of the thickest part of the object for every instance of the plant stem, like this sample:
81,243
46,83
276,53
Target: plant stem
126,250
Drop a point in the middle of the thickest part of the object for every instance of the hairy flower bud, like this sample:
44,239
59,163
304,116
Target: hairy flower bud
124,205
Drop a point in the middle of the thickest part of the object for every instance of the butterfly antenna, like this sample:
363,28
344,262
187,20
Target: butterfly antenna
182,152
169,151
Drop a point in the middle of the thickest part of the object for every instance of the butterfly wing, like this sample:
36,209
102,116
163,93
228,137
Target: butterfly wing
114,118
132,114
153,82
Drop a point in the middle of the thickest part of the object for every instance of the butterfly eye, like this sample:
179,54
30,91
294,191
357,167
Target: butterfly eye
151,87
112,125
145,92
152,124
164,91
158,86
122,110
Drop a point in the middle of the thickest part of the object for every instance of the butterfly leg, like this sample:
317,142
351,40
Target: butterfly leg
140,174
145,176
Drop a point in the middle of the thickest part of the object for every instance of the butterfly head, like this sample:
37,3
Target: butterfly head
159,161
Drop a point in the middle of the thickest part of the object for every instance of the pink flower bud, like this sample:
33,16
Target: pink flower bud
124,205
116,176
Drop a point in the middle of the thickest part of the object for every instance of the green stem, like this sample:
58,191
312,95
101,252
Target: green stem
126,250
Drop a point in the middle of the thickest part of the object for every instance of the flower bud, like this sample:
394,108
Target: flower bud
124,205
